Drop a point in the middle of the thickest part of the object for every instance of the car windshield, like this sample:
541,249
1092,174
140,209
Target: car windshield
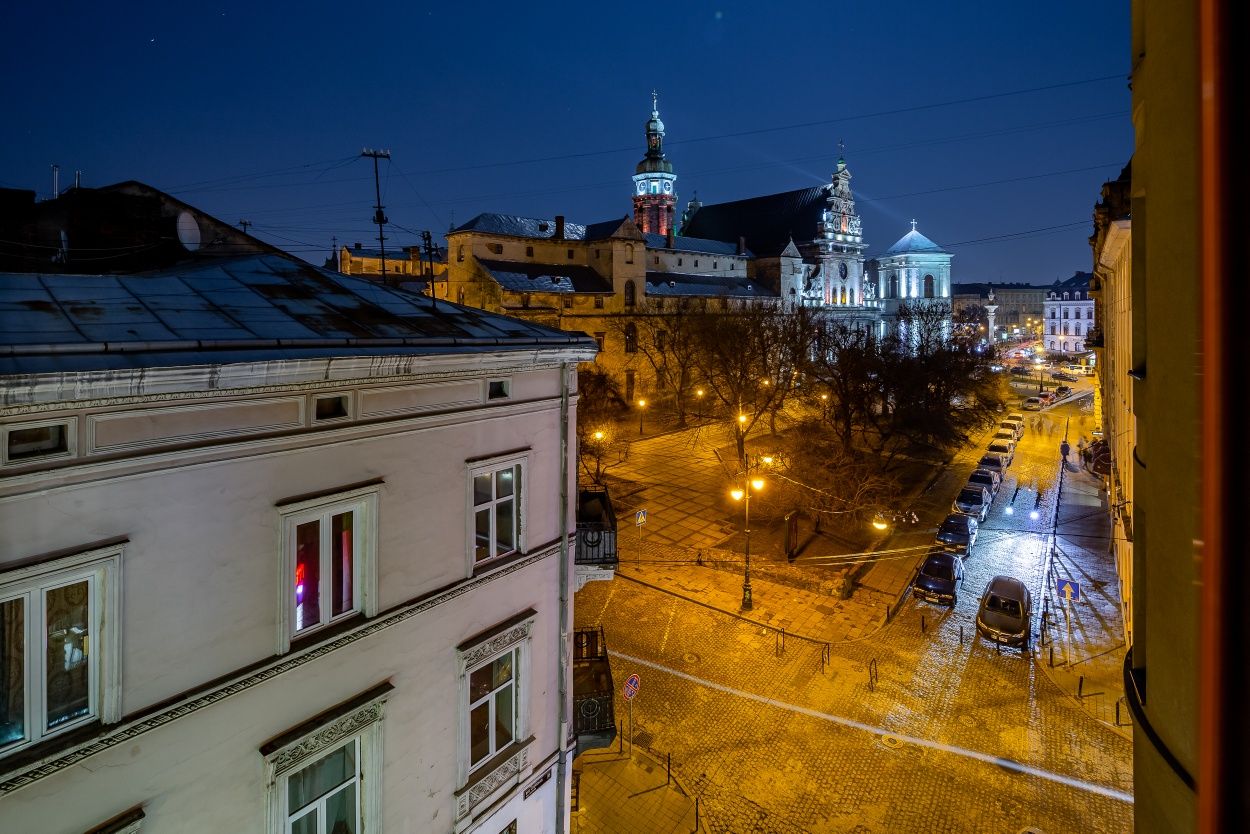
954,525
1003,605
939,569
981,478
971,496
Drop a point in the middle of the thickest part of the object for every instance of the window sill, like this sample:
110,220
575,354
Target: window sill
48,748
492,780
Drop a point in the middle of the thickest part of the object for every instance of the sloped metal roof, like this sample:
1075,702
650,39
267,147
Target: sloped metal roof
255,306
682,243
538,228
768,223
531,277
914,243
682,284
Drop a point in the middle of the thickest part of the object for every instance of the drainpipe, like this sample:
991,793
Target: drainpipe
565,671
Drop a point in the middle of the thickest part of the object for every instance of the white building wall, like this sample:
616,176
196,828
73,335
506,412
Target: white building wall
201,585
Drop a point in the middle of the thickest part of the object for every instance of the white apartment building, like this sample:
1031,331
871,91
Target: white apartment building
282,551
1068,315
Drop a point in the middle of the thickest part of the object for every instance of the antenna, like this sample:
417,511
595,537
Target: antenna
56,175
428,239
243,224
334,252
379,216
78,178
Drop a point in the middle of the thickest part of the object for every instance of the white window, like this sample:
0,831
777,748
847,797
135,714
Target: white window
325,777
494,708
496,493
60,653
329,564
38,440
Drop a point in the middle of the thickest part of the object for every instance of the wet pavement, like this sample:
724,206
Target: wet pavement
914,724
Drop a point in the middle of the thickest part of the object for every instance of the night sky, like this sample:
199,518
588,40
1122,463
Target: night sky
259,112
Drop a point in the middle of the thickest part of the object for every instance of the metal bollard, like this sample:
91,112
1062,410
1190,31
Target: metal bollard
669,768
1052,655
1080,686
922,624
696,813
961,635
620,737
1117,713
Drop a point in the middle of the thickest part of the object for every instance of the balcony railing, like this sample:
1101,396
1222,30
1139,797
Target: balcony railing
594,719
596,529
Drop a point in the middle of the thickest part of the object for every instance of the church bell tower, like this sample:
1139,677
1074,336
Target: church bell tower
655,194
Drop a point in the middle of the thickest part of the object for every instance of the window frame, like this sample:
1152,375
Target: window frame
70,425
520,499
492,777
360,724
363,501
102,569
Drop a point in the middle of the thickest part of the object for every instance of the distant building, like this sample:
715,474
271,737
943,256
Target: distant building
913,270
283,549
1068,315
1018,304
411,265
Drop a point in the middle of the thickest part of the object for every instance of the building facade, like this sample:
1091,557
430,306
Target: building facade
655,185
297,547
1068,315
913,270
1112,342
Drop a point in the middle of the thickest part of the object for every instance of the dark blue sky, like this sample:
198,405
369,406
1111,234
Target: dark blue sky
538,108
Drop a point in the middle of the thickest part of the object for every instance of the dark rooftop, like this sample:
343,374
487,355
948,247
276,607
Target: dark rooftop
682,243
232,309
532,227
768,223
683,284
532,277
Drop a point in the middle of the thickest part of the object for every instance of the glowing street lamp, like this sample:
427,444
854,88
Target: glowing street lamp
642,404
744,495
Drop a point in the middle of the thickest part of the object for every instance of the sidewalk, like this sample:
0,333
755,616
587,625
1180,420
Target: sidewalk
1093,674
618,792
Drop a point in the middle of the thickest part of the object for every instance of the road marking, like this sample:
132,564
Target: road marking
997,761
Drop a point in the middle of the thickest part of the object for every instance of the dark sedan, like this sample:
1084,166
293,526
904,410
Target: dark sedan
1006,612
957,533
939,577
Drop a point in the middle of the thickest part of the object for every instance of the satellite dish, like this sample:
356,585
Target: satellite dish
188,231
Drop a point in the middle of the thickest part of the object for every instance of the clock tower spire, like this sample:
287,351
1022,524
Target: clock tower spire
655,195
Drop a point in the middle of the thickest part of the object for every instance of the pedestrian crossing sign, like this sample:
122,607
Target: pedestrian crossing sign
640,517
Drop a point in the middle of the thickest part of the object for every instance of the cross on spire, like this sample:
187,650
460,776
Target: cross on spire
841,147
913,225
655,101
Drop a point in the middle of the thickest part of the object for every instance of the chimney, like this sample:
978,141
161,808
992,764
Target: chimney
672,238
742,245
559,235
357,246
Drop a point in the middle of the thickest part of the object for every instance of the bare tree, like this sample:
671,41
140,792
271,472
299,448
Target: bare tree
668,340
600,406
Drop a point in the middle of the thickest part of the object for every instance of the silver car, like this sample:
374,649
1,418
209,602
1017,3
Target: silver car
1005,448
973,500
1006,612
987,478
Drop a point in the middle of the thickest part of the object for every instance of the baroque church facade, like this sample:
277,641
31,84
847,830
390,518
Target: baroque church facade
802,247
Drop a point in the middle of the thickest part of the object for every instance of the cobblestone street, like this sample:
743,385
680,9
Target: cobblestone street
951,735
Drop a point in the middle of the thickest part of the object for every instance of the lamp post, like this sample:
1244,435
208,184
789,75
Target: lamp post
642,404
744,495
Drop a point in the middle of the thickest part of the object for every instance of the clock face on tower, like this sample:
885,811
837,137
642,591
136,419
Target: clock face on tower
842,269
668,186
642,188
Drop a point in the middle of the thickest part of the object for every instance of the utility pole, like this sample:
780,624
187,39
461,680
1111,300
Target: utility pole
243,224
378,216
428,240
56,181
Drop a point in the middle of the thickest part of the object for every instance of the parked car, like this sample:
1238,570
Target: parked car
1063,376
1006,612
1020,370
1063,390
1017,417
1016,429
1032,404
987,478
957,533
1047,397
1005,448
1006,433
973,501
994,461
939,577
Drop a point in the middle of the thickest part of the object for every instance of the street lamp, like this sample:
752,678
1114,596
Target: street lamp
745,497
642,404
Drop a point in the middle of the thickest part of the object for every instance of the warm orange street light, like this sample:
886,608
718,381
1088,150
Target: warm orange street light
642,404
744,495
598,435
742,418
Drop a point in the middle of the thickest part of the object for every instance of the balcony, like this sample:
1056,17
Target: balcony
595,557
594,719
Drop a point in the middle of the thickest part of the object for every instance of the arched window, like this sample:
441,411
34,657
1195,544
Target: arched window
1065,328
629,253
460,252
893,285
631,338
928,286
630,294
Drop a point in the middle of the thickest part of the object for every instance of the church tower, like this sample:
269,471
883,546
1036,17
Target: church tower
655,197
840,244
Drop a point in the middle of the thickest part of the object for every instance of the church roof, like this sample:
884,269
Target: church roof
768,223
681,243
530,277
915,243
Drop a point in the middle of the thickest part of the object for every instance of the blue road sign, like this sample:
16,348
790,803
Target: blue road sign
640,517
632,684
1068,589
